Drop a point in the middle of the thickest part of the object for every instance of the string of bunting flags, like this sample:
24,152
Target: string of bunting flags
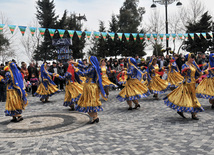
112,35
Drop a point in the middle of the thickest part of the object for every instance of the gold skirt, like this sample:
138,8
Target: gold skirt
73,91
83,79
106,82
14,103
133,90
158,85
122,81
175,79
90,99
206,88
183,99
43,92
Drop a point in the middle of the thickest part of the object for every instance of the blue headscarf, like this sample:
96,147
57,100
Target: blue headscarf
211,60
148,69
175,64
45,76
80,62
17,79
132,62
93,60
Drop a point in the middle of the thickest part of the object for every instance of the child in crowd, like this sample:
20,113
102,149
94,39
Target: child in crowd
34,83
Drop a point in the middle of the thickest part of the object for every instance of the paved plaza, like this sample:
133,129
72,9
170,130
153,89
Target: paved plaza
50,128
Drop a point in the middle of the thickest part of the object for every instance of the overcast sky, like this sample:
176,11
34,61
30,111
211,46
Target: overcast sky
22,12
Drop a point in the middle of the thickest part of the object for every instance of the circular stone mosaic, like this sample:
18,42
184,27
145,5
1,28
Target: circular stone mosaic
42,124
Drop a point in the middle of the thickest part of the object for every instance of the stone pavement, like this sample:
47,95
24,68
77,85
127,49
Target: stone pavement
153,129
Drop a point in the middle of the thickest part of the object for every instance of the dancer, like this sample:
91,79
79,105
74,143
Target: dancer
134,89
205,89
47,87
183,98
105,81
89,101
156,84
73,89
174,77
16,96
82,67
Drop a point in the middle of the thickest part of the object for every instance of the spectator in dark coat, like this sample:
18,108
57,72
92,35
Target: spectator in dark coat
32,70
54,69
2,85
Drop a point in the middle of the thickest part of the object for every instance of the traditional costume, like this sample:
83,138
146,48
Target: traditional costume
47,87
73,89
16,96
174,77
82,67
133,89
90,99
156,85
105,81
183,98
206,87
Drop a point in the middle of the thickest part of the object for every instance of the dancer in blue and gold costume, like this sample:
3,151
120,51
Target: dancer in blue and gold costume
206,87
73,89
16,96
89,101
82,67
47,87
156,85
183,98
134,89
174,77
105,81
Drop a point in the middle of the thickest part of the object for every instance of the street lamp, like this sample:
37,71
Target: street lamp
166,3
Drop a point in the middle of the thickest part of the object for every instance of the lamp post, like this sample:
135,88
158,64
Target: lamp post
166,3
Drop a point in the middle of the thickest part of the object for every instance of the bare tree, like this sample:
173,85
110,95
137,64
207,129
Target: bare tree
192,13
29,42
155,25
8,50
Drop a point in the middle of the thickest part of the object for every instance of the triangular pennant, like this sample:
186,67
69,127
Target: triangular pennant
186,36
104,34
211,34
192,36
127,35
88,34
79,34
161,36
199,35
42,31
141,35
71,33
97,35
120,35
148,36
167,36
32,30
22,29
174,36
112,35
12,28
134,36
180,36
204,35
155,36
51,31
1,27
61,32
